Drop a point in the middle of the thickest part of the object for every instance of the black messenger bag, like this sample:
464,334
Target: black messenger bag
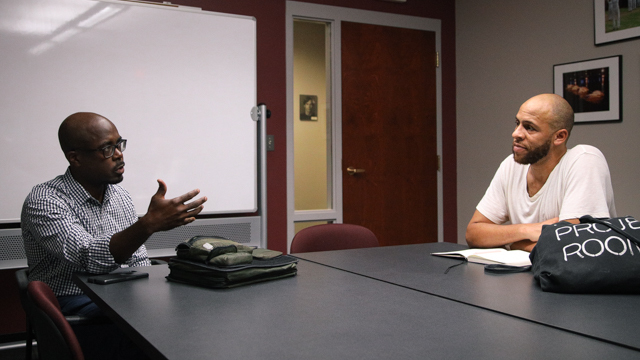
595,256
215,262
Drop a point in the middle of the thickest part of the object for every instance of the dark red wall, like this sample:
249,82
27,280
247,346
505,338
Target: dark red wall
271,22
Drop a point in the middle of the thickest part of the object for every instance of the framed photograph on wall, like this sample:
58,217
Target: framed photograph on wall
592,87
616,20
309,107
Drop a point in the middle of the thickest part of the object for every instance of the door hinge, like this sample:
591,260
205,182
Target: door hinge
437,59
438,163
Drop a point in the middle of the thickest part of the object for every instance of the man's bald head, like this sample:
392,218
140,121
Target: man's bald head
554,109
80,129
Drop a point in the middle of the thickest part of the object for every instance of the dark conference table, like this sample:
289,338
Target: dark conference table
324,313
612,318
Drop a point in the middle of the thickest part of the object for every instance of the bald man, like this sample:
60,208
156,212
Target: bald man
542,182
83,221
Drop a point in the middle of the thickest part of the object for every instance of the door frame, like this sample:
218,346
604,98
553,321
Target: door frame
335,15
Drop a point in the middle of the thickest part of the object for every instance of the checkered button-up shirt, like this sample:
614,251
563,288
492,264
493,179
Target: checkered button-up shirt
66,230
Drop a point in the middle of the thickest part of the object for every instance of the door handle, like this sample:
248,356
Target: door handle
352,171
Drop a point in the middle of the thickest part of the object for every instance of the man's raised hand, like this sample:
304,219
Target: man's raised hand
166,214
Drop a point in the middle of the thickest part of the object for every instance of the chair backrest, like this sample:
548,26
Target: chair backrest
22,277
333,237
55,337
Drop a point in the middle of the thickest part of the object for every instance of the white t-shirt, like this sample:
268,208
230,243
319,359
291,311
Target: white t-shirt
579,185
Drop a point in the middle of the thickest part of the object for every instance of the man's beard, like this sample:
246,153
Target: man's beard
534,155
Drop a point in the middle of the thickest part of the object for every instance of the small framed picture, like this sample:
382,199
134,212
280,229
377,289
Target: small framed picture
592,87
616,20
309,107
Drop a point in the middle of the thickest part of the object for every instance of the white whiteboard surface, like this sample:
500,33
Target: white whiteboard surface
178,84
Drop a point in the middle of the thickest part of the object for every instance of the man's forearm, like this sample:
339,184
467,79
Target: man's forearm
163,214
126,242
483,233
486,235
528,245
525,245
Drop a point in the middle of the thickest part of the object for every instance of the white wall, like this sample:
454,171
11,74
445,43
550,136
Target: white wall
505,52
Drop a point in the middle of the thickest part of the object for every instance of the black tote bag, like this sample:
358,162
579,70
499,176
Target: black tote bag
595,256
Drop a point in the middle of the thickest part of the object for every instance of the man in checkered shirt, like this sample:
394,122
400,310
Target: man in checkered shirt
83,222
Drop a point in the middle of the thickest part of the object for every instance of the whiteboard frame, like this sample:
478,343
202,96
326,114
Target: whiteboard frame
10,218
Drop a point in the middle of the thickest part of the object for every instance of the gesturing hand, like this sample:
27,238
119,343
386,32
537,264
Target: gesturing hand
166,214
162,215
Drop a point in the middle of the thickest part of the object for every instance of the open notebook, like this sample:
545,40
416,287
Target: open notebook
490,256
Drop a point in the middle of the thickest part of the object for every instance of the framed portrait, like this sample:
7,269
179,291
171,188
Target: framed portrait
616,20
592,87
309,107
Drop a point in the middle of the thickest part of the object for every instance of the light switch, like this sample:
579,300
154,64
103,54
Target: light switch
271,146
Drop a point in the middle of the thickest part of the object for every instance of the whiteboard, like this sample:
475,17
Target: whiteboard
179,85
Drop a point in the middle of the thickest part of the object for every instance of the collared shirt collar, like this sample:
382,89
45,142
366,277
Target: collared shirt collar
77,191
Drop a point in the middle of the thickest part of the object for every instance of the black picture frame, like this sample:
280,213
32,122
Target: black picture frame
592,87
309,107
613,26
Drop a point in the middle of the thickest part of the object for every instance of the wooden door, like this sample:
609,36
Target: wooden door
389,130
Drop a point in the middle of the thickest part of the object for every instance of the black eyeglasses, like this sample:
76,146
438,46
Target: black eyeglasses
109,150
